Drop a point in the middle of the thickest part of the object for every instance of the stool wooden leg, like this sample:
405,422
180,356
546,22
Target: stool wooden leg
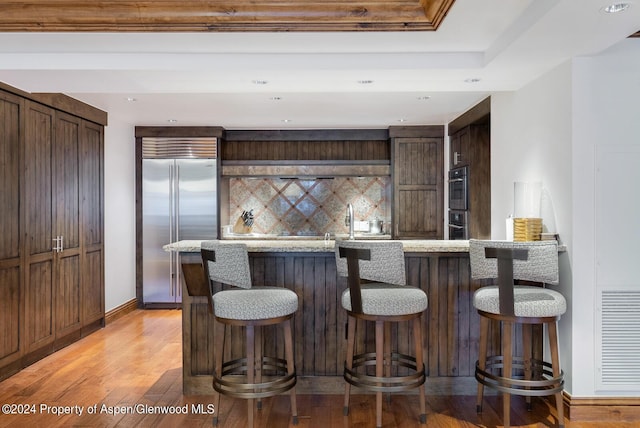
250,369
218,331
288,350
258,359
417,338
482,357
387,354
555,362
507,338
379,368
351,341
526,350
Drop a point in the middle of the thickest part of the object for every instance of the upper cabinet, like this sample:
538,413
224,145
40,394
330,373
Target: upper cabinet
459,148
418,187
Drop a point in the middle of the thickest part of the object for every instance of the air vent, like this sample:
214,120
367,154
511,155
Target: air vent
179,148
620,340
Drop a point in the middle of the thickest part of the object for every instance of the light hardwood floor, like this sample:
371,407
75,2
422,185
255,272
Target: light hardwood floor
134,365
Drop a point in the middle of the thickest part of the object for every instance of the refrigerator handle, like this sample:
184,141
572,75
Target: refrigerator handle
177,201
171,203
177,282
171,229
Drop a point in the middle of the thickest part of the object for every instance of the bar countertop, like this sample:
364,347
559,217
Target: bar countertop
320,246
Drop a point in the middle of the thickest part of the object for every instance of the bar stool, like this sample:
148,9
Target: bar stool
251,308
523,305
377,292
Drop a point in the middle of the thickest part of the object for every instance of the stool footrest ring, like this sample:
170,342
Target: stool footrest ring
385,384
542,381
233,381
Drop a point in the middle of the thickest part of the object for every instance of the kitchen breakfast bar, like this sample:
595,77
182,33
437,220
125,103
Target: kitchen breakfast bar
308,267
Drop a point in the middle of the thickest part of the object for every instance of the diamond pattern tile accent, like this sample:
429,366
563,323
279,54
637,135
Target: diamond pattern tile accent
307,207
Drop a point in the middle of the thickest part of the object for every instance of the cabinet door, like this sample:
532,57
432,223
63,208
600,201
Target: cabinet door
38,227
66,178
418,202
91,179
52,190
459,148
10,245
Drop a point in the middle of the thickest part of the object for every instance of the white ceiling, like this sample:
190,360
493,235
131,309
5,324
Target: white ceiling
312,78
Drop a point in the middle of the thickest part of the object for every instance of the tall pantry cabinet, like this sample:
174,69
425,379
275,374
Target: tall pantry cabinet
417,163
51,249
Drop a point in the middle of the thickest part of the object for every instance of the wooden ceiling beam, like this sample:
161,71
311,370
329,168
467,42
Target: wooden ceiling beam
225,15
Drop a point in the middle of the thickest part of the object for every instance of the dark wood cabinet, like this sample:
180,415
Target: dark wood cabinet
459,148
92,222
305,145
66,200
11,293
470,147
480,182
418,182
51,256
38,227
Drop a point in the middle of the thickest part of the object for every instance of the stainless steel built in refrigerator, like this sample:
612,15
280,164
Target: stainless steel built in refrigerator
179,202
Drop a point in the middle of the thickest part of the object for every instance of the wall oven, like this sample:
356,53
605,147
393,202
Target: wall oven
459,189
459,203
458,224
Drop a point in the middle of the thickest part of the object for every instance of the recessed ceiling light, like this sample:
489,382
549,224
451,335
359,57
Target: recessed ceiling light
275,98
131,99
172,120
365,82
286,120
259,82
402,120
423,98
616,7
472,80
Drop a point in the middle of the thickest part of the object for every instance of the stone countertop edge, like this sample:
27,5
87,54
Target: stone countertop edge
320,246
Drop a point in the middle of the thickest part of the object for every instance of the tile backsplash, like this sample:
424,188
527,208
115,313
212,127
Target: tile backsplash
308,207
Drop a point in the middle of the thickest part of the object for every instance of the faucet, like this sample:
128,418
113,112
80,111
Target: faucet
349,221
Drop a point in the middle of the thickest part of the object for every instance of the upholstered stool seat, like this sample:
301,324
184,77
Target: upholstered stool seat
528,301
258,303
381,299
377,292
522,305
252,308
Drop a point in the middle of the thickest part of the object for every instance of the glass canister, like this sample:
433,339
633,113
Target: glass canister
527,224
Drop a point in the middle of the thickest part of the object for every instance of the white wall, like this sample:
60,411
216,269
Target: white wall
557,130
606,117
531,141
119,217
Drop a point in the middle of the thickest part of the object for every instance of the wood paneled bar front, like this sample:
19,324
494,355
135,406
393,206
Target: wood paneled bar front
308,267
